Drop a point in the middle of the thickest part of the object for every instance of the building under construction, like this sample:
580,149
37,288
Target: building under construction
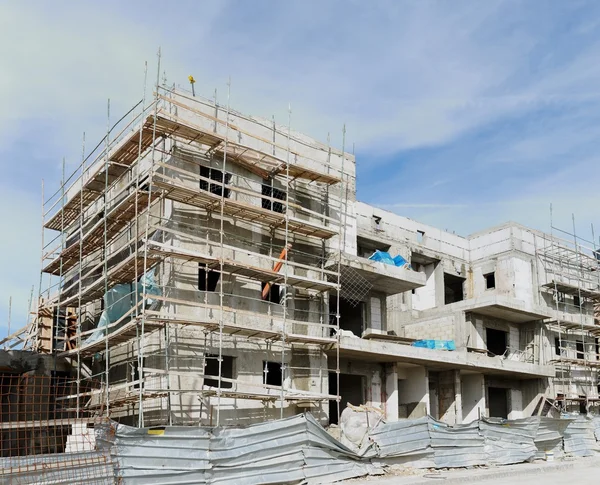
203,267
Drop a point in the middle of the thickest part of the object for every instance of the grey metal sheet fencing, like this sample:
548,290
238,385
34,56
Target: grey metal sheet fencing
269,452
508,442
402,438
596,421
549,437
297,450
579,438
425,442
89,468
287,451
456,446
169,455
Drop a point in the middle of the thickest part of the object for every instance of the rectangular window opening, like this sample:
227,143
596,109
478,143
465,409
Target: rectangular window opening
420,236
377,222
211,368
274,292
576,301
557,346
217,176
353,315
496,341
580,350
207,279
490,281
366,247
498,402
272,375
453,288
269,191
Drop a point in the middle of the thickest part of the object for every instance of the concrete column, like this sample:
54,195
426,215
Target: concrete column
458,397
473,397
391,392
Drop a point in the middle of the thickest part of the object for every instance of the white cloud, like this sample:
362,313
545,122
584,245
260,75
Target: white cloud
402,75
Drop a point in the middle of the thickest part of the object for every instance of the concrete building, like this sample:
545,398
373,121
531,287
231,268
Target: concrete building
207,267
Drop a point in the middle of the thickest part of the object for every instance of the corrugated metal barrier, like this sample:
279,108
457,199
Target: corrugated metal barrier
426,443
299,450
292,450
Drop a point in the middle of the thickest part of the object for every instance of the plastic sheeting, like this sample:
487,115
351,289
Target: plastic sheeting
385,257
120,299
287,451
355,425
435,344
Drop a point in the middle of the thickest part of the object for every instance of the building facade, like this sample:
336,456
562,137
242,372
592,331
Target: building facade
208,267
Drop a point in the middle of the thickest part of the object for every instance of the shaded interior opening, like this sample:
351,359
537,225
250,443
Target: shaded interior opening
352,390
207,279
352,317
217,176
453,288
272,374
498,402
496,341
211,368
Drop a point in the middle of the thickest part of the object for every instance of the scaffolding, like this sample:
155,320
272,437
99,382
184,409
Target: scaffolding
191,219
572,288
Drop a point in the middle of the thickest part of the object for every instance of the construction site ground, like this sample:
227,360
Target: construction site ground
578,470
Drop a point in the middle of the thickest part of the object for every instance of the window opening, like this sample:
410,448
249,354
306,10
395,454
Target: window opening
269,191
207,279
211,368
496,341
272,375
217,176
580,351
274,295
453,288
490,281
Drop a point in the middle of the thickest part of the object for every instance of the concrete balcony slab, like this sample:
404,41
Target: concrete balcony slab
384,278
384,351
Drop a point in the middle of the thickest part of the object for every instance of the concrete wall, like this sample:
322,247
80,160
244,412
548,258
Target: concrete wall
413,392
473,397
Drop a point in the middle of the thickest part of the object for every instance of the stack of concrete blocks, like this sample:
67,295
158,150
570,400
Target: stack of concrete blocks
81,439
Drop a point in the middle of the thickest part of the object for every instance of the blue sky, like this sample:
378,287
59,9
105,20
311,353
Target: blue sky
463,114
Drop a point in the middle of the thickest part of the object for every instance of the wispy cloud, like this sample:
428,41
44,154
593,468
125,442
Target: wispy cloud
463,114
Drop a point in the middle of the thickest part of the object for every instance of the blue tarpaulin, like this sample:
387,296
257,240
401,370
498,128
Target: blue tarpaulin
120,299
384,257
435,344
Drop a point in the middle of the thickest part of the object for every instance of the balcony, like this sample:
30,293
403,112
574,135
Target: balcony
384,278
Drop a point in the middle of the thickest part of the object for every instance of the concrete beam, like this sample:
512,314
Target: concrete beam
377,351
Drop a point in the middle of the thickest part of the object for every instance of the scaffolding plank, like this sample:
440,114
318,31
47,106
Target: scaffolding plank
116,219
177,191
256,161
122,272
234,267
574,290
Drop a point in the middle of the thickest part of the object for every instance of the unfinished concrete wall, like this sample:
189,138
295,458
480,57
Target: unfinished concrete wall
442,328
473,397
413,392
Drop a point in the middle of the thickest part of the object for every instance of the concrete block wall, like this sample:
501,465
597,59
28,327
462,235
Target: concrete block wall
442,328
